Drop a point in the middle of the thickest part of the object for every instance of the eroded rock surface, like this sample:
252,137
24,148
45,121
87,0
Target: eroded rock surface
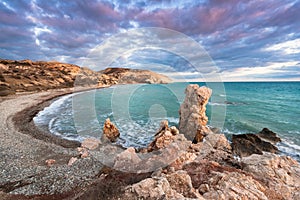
193,119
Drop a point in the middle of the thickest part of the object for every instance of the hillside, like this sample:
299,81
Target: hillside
27,75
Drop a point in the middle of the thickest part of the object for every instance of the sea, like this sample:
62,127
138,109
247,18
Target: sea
137,110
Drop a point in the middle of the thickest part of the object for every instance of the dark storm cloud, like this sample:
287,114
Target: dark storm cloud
237,34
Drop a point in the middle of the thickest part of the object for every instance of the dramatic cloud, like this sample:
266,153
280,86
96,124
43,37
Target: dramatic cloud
247,40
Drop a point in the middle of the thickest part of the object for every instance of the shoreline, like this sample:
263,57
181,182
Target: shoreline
25,148
23,120
25,175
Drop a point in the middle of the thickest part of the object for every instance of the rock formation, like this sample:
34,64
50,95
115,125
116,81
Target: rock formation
110,131
269,135
128,76
248,144
210,170
26,75
193,119
163,137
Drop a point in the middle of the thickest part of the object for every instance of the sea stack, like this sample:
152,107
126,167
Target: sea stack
193,119
110,131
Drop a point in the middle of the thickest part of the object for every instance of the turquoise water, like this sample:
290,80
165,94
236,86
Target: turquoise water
138,109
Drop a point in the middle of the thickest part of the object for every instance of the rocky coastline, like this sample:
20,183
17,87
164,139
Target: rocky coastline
205,165
30,76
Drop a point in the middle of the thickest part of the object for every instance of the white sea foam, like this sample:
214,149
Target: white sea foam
216,104
292,145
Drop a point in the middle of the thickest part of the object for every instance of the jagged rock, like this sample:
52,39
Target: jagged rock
279,173
248,144
182,160
150,188
163,137
216,181
269,135
161,153
90,143
110,131
181,182
234,185
215,147
193,119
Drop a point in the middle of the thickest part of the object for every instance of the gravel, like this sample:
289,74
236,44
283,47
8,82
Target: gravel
23,153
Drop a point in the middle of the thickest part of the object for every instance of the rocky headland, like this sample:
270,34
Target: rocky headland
28,76
193,162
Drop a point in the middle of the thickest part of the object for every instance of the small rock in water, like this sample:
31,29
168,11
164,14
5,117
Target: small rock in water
50,162
110,131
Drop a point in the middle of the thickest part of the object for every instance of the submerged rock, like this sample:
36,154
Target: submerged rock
110,131
193,119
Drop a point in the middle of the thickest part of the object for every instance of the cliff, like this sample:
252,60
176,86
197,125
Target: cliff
27,75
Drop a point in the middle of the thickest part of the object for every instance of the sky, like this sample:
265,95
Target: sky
257,40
